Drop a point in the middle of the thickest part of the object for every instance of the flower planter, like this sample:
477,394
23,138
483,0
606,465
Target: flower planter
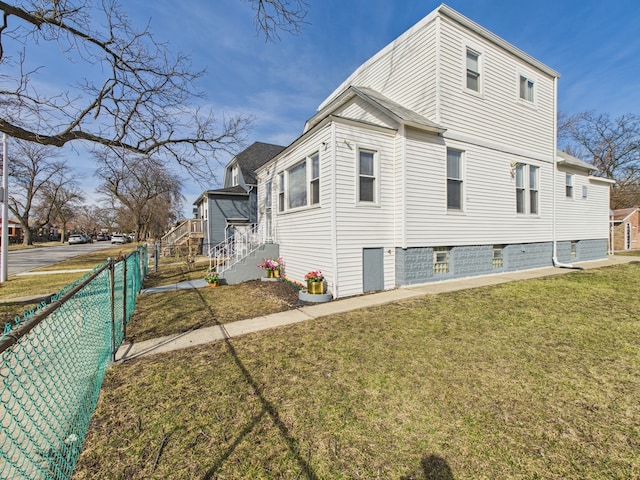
315,288
306,297
213,284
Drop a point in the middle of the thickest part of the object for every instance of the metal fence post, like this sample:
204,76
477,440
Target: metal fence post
112,301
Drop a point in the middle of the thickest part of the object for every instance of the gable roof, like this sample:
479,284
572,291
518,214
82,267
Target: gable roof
374,98
621,214
565,159
443,11
230,191
253,157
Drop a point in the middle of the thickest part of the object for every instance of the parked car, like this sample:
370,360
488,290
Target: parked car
77,238
102,237
118,238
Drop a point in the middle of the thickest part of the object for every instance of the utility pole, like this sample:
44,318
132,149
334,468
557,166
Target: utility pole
4,196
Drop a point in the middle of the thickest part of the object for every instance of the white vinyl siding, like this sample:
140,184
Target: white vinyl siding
489,198
581,217
496,119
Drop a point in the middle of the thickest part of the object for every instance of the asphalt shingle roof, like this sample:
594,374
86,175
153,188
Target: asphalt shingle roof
253,157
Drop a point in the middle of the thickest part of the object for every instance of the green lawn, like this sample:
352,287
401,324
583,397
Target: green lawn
526,380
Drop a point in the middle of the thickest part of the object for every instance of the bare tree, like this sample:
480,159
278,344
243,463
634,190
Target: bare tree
145,99
65,203
275,15
36,177
137,186
612,145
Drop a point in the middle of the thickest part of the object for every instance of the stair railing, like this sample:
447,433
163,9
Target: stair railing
235,248
186,228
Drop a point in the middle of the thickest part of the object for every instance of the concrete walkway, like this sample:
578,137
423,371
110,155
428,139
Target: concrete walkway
302,314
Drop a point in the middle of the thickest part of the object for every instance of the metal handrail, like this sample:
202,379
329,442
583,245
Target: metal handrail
227,253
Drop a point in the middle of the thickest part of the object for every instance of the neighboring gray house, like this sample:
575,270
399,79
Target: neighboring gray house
232,208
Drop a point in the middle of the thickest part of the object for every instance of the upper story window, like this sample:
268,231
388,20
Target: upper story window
367,181
314,184
526,89
527,180
473,70
569,185
454,179
234,175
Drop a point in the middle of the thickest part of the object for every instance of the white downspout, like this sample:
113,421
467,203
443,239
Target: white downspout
554,258
334,203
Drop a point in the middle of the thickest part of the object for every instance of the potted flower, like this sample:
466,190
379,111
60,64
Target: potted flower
212,278
272,266
315,282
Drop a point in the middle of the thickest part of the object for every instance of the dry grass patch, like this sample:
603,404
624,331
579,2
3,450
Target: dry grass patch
535,379
177,311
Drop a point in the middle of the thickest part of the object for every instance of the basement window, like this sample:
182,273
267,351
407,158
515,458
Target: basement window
440,260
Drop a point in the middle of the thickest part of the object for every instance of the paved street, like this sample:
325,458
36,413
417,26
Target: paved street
28,259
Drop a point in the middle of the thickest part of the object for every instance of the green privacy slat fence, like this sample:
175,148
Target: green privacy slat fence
52,363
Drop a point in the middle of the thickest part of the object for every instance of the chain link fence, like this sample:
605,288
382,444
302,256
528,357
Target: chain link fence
52,363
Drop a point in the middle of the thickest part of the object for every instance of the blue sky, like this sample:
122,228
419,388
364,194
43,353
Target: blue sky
594,45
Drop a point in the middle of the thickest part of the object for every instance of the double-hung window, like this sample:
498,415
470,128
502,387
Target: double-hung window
533,190
473,70
367,184
520,188
281,192
569,185
454,179
527,188
526,89
314,184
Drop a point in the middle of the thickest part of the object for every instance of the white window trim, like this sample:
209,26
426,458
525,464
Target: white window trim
531,78
526,182
480,52
463,166
310,179
376,177
536,169
306,160
569,184
282,192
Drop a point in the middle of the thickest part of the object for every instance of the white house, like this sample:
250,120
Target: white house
436,159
